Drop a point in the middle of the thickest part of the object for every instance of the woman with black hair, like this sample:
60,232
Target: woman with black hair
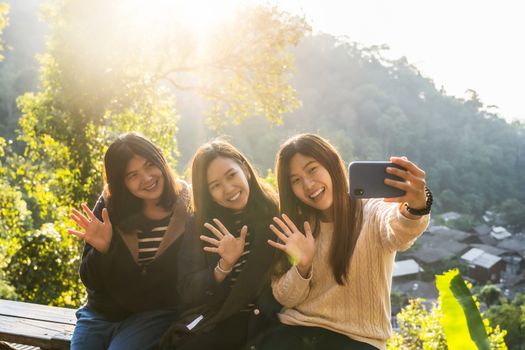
132,242
224,266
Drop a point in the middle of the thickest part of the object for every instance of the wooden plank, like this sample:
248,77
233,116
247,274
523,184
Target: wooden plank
37,312
49,335
19,346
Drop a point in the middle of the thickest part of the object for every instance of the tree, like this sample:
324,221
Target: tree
513,212
103,74
510,316
373,107
490,295
4,21
9,212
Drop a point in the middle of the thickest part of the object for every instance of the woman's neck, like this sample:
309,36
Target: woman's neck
154,212
327,215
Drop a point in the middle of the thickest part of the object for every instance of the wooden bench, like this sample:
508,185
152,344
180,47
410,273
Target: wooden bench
47,327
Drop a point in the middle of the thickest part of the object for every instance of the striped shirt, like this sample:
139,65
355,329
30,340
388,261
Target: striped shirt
149,238
237,224
236,231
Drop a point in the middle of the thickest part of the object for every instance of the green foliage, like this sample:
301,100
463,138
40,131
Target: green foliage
460,313
371,107
398,300
513,212
420,328
463,223
453,323
6,290
103,74
270,179
490,295
4,21
15,219
263,89
511,317
18,71
45,268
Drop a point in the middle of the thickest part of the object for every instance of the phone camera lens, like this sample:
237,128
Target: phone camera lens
359,192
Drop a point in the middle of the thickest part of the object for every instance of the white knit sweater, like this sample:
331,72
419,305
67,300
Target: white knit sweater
361,308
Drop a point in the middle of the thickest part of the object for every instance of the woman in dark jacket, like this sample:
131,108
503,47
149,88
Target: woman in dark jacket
132,242
224,266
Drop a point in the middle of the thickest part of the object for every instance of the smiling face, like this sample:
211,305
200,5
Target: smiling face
311,184
228,183
143,179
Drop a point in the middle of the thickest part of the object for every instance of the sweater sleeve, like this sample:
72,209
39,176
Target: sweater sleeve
196,280
291,288
94,266
397,232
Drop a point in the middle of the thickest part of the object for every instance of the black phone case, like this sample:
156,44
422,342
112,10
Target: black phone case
366,180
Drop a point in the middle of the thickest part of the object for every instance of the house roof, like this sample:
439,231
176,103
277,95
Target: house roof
448,233
433,228
481,258
500,235
482,229
435,251
489,249
499,229
417,288
515,244
406,268
488,240
450,215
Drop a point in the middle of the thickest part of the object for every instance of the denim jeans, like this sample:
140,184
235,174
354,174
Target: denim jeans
138,331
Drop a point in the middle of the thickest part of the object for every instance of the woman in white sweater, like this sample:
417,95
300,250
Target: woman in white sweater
335,272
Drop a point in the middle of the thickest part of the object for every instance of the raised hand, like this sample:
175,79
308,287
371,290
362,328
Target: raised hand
95,232
226,245
414,184
299,247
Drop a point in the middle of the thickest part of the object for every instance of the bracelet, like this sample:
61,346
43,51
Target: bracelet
426,209
219,270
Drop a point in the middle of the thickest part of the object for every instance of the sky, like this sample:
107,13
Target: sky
460,45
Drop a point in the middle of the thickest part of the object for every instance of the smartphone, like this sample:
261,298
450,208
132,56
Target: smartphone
367,178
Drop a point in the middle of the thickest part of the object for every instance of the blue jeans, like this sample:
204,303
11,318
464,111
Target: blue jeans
138,331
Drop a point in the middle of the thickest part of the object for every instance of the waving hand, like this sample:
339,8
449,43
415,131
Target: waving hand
298,246
94,232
